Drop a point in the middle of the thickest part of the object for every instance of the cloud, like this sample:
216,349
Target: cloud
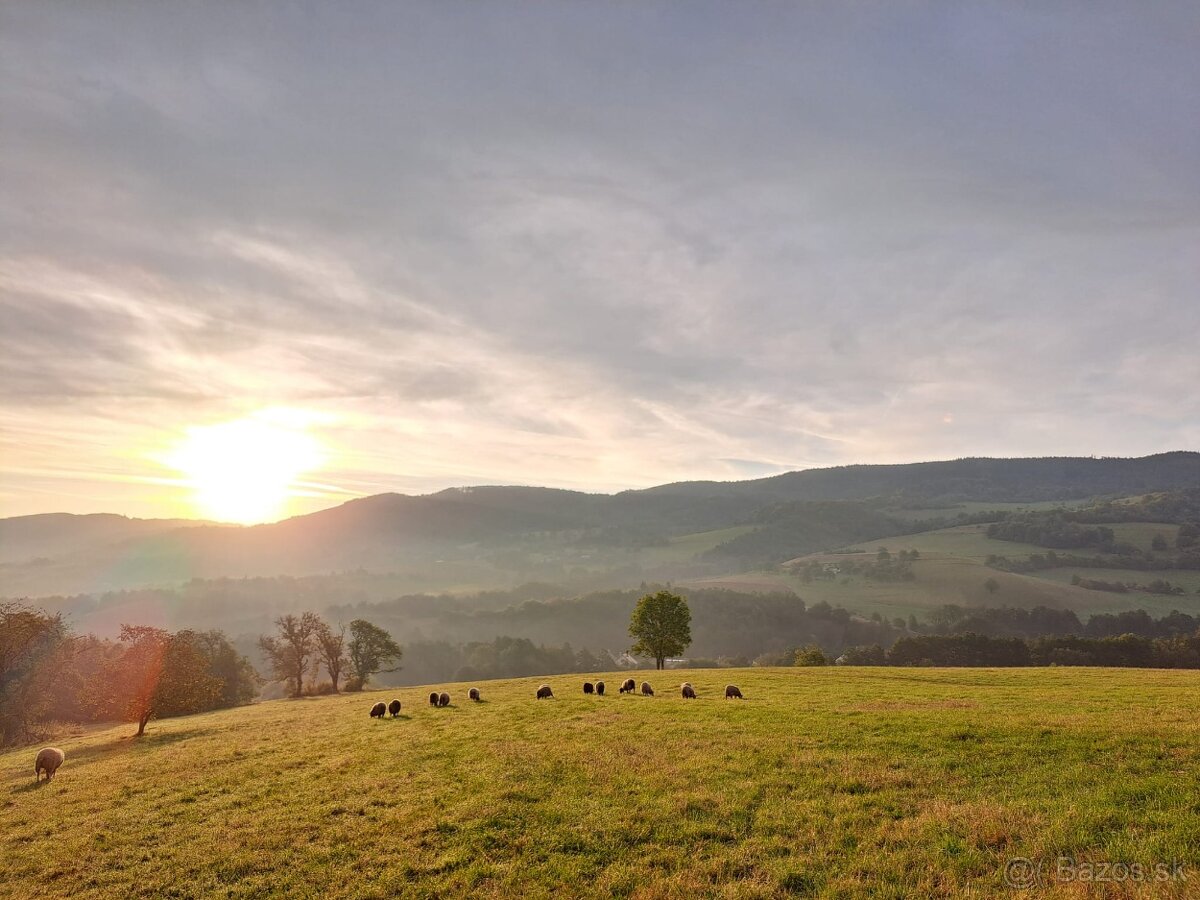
595,246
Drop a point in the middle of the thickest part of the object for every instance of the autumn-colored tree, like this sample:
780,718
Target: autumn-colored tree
156,673
132,677
290,650
33,645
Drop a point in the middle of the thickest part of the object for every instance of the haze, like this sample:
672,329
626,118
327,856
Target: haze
594,246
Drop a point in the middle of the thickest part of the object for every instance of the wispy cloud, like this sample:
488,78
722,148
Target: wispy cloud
593,246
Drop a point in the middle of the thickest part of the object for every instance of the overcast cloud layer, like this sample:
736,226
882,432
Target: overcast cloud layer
592,245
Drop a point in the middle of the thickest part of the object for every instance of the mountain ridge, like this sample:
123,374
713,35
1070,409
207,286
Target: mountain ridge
527,530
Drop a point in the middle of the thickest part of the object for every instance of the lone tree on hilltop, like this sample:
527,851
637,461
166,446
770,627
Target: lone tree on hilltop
662,624
371,650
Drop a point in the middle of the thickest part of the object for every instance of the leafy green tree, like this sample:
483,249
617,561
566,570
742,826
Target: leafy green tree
239,681
872,655
662,624
371,650
811,656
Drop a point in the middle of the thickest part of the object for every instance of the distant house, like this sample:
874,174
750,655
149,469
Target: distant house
625,661
675,663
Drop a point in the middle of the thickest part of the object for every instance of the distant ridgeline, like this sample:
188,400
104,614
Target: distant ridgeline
500,536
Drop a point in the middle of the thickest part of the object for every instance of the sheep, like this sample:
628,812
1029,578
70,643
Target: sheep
732,692
434,697
600,688
378,710
473,694
48,760
689,692
443,699
589,688
394,708
647,691
544,691
628,686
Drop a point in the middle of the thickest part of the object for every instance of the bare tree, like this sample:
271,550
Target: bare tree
290,650
331,648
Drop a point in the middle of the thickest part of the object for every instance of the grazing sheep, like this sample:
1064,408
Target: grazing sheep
628,686
473,694
434,697
647,691
394,708
589,688
378,710
600,688
689,692
732,692
443,699
544,691
48,760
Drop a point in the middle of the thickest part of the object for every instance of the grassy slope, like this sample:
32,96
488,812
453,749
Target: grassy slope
686,546
952,570
832,782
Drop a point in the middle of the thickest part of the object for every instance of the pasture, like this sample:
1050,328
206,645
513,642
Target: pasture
823,782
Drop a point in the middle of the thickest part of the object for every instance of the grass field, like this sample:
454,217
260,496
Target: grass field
824,782
952,570
684,547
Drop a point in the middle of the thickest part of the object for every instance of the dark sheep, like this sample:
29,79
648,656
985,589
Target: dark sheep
647,691
434,697
544,691
689,692
628,686
473,694
589,688
394,708
732,692
600,688
443,699
48,760
378,710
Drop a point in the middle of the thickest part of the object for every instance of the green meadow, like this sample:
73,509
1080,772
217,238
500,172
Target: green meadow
952,570
825,782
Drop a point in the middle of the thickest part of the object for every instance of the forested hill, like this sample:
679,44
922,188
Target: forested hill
482,537
979,479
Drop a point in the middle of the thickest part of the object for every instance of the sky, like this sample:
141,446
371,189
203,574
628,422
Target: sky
318,251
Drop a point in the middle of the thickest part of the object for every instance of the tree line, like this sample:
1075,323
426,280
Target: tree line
1125,651
49,674
305,643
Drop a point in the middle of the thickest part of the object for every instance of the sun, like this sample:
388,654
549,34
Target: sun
245,471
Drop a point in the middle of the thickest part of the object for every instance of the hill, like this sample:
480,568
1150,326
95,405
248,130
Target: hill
825,782
494,537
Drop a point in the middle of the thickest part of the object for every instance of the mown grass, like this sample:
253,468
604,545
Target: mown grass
824,782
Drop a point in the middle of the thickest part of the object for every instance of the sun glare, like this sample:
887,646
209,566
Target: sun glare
244,471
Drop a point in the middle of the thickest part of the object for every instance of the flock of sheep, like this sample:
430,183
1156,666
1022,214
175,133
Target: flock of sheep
50,758
629,686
